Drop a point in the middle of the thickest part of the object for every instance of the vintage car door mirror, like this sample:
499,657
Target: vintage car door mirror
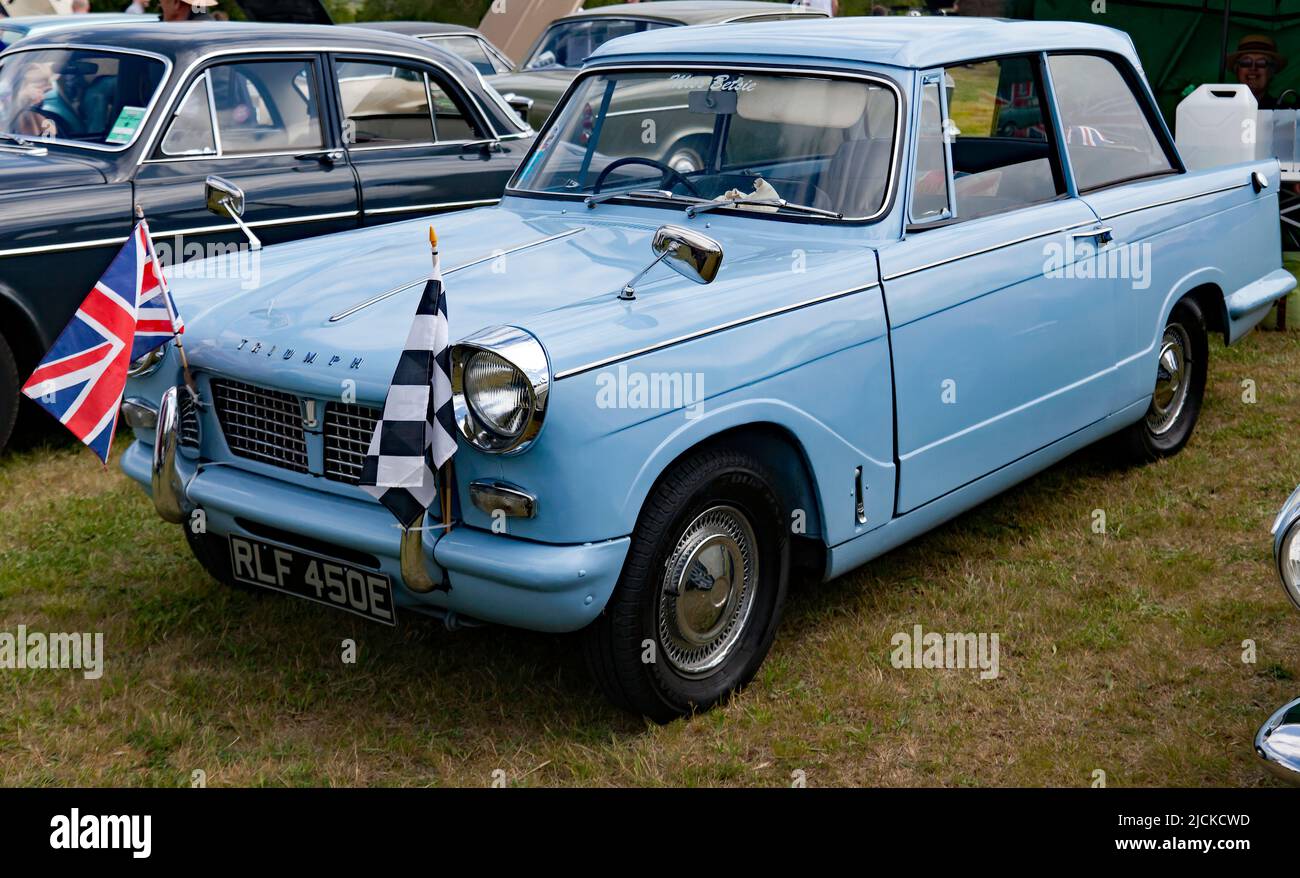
226,199
1278,743
521,104
694,256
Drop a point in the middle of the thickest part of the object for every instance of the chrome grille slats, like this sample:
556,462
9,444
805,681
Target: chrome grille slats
189,425
348,428
261,424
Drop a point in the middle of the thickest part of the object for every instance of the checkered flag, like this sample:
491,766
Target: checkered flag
416,434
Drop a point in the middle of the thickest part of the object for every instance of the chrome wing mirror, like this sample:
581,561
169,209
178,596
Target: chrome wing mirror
521,104
694,256
224,198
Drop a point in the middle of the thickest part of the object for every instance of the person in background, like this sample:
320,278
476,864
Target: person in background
138,7
187,10
1256,62
80,7
879,10
21,105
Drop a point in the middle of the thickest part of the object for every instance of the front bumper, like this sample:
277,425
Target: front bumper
493,577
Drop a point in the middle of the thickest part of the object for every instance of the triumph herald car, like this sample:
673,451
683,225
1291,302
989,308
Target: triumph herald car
553,61
305,129
869,310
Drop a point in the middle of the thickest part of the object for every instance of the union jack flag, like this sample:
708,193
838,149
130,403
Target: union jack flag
127,314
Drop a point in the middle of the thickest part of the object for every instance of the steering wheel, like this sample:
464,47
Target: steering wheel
668,173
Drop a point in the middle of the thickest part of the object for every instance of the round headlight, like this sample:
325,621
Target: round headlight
1288,562
498,393
148,364
500,379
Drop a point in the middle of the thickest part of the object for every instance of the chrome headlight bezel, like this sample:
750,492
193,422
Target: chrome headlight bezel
525,354
149,363
1288,546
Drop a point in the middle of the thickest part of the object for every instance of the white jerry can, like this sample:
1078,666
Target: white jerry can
1218,124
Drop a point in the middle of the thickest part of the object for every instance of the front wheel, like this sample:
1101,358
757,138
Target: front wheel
9,398
696,608
1181,368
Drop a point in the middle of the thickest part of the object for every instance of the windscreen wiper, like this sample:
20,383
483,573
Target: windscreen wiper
593,200
779,203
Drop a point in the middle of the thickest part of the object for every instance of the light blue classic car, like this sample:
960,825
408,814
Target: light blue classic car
923,260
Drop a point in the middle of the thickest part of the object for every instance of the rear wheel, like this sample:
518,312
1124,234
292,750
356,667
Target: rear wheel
8,392
1181,369
699,600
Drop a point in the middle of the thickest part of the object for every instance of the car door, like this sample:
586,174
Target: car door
415,138
260,122
1128,172
997,353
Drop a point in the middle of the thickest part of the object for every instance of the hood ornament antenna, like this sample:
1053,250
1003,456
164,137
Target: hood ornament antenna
495,254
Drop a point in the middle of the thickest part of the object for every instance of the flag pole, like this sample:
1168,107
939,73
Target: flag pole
167,303
445,472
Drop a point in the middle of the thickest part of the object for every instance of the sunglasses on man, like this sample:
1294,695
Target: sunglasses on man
1255,63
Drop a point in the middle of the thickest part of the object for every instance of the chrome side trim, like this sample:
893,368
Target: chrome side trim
989,249
1167,202
148,110
439,205
198,230
731,324
419,280
596,69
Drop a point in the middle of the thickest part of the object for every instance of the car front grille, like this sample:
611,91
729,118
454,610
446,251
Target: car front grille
348,429
189,421
261,424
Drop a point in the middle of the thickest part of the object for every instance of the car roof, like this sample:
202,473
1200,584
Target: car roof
30,23
415,28
691,11
899,41
187,40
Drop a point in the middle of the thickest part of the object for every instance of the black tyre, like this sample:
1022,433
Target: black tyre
700,596
212,553
1179,390
8,392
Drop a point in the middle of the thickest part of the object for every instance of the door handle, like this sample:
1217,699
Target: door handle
325,157
1103,234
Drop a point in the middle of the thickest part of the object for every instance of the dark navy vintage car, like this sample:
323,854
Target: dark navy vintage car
224,134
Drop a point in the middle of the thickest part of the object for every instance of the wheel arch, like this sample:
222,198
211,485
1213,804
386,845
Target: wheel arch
21,330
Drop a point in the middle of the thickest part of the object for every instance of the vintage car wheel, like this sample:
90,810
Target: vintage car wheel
8,392
1179,388
699,600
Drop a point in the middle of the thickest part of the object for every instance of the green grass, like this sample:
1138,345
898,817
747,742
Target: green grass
1119,652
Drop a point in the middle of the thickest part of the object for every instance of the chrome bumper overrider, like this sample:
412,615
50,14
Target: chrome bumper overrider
1278,743
168,485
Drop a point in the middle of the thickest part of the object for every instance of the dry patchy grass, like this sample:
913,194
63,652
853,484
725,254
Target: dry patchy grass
1119,651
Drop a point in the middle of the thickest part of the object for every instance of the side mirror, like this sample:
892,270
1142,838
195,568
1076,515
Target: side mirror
521,104
1278,743
224,198
694,256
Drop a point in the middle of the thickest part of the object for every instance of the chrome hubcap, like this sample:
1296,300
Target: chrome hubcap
707,591
1173,375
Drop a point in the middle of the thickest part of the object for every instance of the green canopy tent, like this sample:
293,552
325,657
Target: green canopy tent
1184,43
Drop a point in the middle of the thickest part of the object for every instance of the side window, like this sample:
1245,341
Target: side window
384,104
266,106
1107,135
452,119
191,131
469,49
930,173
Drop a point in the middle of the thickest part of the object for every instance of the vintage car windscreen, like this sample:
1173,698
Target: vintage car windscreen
568,43
79,96
822,143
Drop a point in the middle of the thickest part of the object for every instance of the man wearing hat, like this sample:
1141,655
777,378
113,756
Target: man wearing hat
1256,62
187,10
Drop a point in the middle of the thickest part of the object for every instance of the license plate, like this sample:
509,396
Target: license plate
325,581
